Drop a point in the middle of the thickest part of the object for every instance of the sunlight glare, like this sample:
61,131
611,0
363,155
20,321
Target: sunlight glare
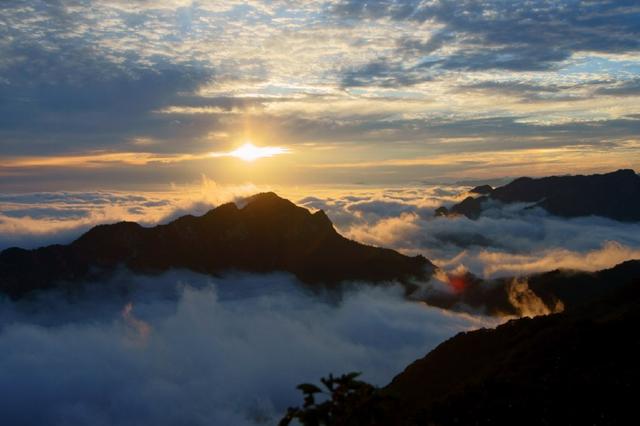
249,152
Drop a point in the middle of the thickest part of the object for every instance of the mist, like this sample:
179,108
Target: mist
183,348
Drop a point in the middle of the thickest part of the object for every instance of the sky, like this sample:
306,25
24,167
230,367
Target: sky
150,93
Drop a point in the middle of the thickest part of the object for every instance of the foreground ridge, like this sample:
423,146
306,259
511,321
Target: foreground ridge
574,368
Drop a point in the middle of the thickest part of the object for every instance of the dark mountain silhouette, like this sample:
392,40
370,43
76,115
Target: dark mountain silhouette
613,195
482,189
535,294
268,234
579,367
470,207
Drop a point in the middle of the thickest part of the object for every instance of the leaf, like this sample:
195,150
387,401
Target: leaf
352,375
309,388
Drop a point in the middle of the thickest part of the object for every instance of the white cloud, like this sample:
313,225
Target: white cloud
186,349
61,221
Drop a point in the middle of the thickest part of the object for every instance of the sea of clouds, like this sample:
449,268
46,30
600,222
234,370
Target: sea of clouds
183,348
505,241
188,349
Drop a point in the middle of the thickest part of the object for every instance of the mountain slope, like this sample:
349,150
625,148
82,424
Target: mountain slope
268,234
613,195
534,294
573,368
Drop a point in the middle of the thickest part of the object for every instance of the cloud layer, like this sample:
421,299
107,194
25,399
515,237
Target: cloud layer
503,242
35,219
494,34
187,349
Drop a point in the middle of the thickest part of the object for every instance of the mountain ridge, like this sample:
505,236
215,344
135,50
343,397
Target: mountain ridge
533,294
576,367
267,234
614,195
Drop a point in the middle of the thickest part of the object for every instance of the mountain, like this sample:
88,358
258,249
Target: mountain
470,207
613,195
482,189
579,367
268,234
535,294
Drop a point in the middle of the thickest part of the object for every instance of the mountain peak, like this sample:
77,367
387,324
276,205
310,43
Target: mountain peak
625,172
266,197
267,234
267,200
482,189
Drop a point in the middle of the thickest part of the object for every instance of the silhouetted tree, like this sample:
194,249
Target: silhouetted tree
349,402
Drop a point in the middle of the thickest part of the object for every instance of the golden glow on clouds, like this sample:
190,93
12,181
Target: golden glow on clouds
536,161
98,159
247,152
348,160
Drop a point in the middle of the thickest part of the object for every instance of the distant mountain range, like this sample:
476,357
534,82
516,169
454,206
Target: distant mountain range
613,195
268,234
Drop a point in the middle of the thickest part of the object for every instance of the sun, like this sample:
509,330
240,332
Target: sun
249,152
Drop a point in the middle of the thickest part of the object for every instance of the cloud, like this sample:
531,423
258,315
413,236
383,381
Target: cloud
79,77
525,301
487,35
507,241
501,263
382,73
532,91
25,223
46,212
629,87
181,348
68,98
